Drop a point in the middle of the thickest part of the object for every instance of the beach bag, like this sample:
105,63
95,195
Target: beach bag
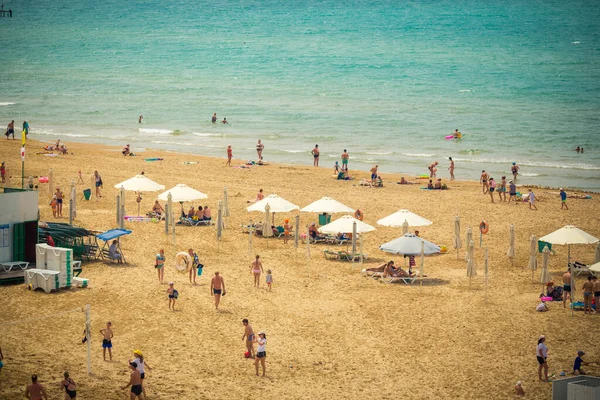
200,267
175,293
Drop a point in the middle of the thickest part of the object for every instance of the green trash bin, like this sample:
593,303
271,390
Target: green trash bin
87,193
324,219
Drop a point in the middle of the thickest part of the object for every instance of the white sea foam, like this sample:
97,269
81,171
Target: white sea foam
57,134
543,164
418,155
380,153
464,90
575,42
529,174
7,104
202,134
172,143
294,151
156,131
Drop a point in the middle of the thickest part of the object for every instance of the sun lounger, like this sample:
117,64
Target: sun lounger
80,282
9,266
193,222
579,268
408,280
76,267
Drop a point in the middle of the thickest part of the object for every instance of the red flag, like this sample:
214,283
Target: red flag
23,153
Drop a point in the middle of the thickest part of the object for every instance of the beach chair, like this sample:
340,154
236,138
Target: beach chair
334,255
579,268
278,231
408,280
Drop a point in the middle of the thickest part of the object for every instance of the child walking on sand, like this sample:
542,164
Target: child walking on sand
54,205
107,335
173,295
532,200
269,280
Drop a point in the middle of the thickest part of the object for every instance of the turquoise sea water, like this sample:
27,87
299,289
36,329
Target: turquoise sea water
385,79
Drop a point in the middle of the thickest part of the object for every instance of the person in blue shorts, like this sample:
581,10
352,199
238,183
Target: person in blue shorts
563,199
107,335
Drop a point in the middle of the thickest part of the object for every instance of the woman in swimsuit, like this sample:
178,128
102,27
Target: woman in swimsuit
502,189
256,269
69,385
286,230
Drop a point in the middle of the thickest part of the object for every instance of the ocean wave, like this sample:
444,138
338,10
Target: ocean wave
529,174
464,90
294,151
156,131
543,164
418,155
379,153
7,104
202,134
172,143
471,151
52,133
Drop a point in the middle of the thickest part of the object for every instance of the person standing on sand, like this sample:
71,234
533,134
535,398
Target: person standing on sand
345,158
596,289
69,385
512,192
374,175
107,335
98,180
287,228
248,337
315,153
492,188
515,171
135,381
173,295
563,199
194,268
256,268
269,281
542,356
3,172
229,155
567,280
451,168
59,202
261,352
141,365
483,179
531,199
502,189
217,288
214,118
35,391
259,149
26,128
159,264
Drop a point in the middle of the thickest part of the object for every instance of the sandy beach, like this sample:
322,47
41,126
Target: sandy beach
331,332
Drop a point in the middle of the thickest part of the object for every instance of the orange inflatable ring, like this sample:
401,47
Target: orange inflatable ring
484,227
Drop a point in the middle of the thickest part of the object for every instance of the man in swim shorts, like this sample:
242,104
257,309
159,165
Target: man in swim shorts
249,337
10,129
345,158
512,192
566,278
374,174
35,390
217,288
107,335
135,381
483,179
595,287
315,153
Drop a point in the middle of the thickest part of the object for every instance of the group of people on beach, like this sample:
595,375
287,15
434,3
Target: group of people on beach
10,129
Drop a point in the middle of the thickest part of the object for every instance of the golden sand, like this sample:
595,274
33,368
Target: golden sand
332,333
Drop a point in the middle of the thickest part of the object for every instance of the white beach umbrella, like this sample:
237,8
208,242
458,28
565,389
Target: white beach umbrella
307,249
398,218
297,232
471,266
181,193
422,264
597,253
51,183
276,204
569,235
511,247
327,205
266,230
140,183
345,224
410,245
457,241
354,234
533,250
469,239
545,277
595,267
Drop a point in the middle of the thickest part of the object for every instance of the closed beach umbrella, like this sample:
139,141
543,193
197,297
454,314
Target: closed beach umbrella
297,232
327,205
457,241
405,228
220,221
471,266
169,216
354,238
469,239
545,277
486,271
345,224
410,245
122,208
397,219
511,247
267,231
225,203
50,183
307,248
533,249
181,193
569,235
598,253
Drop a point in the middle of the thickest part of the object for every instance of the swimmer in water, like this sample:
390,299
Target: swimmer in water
224,122
214,118
141,117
